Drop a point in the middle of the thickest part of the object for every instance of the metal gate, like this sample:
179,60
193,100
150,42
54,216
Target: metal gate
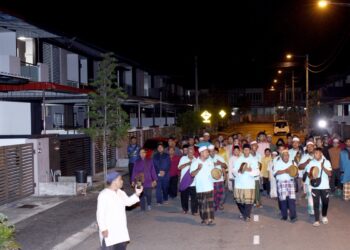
75,154
16,172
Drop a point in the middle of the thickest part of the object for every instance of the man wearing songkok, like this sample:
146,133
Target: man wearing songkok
286,188
201,169
245,169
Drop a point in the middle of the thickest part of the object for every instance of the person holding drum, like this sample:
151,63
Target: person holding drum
284,172
218,174
201,171
245,170
319,171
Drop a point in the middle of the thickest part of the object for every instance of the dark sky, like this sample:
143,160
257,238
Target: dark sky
237,43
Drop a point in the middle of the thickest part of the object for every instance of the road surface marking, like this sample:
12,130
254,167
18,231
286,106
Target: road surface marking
256,217
256,240
77,238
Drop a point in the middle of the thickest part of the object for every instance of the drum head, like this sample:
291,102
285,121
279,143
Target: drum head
314,172
216,173
293,171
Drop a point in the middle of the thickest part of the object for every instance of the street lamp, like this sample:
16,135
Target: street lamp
279,72
324,4
290,56
275,80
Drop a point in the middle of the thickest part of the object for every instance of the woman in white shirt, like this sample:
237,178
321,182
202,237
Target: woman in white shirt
111,215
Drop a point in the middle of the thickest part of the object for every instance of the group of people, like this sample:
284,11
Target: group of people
201,169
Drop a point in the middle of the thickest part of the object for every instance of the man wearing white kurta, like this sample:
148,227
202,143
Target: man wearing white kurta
321,191
254,152
295,154
184,166
286,187
244,191
201,169
303,164
111,216
219,187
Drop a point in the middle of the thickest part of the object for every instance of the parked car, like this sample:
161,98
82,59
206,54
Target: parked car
151,145
281,127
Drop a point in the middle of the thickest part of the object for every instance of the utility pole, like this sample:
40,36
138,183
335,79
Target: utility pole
293,89
307,92
196,81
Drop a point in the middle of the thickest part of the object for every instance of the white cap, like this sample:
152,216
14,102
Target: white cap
201,149
285,151
296,139
253,142
335,140
275,153
309,143
201,138
206,134
211,147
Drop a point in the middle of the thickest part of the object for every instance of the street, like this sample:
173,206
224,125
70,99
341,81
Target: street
166,227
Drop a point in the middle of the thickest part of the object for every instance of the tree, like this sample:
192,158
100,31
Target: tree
107,118
190,122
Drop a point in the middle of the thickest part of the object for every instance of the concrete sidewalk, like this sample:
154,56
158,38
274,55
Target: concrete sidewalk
47,222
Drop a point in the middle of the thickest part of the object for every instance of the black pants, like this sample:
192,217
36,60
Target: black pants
245,209
146,198
189,192
316,194
173,186
119,246
131,168
266,185
335,180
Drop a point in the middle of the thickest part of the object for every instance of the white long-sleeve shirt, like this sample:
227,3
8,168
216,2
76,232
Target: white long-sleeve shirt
111,215
247,179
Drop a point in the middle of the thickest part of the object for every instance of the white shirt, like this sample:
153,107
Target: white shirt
324,178
203,180
185,159
111,215
231,163
281,165
247,179
304,158
258,157
215,159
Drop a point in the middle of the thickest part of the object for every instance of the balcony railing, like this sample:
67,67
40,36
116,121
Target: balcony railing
30,71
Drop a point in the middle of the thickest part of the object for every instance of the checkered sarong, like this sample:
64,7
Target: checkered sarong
206,205
244,196
346,191
218,194
285,189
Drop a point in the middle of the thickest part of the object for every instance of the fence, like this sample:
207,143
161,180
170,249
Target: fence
16,172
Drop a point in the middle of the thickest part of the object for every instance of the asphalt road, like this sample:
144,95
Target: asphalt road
167,228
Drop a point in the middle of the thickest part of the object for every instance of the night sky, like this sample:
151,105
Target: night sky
237,45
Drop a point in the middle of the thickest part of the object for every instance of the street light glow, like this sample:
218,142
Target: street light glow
206,116
275,80
289,56
279,72
323,4
222,113
322,123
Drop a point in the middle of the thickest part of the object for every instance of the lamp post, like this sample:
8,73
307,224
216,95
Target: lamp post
289,57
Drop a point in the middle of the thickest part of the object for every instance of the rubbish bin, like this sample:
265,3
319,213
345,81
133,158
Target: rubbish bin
80,176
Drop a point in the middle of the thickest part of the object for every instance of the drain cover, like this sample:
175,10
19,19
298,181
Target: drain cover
28,206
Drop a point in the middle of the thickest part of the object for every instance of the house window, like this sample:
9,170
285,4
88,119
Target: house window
346,109
58,120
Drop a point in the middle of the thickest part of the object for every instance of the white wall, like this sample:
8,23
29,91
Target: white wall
15,118
8,43
8,142
84,71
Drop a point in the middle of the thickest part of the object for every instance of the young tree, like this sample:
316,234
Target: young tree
190,122
107,118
